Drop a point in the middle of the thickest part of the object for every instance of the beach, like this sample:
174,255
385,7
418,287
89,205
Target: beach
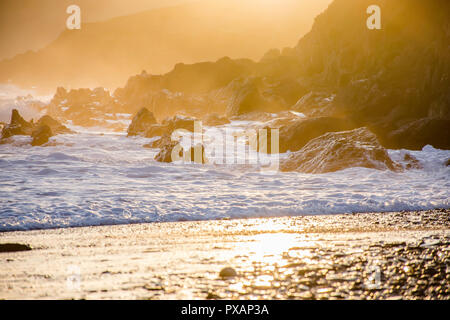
397,255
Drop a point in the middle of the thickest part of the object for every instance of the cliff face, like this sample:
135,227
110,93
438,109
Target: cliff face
401,71
395,81
382,78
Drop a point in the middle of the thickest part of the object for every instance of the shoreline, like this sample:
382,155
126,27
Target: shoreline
226,219
351,256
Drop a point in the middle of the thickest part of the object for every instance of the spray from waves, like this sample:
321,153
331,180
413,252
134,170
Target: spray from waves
26,101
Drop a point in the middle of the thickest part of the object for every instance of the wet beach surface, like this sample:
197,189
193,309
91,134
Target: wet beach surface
400,255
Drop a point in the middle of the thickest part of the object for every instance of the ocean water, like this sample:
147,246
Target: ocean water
99,177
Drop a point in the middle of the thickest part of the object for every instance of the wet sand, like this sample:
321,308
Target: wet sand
400,255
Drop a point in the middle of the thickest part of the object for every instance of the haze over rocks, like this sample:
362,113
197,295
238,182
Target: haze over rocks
341,76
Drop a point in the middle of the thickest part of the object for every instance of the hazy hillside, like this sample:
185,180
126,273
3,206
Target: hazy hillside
106,53
33,24
394,80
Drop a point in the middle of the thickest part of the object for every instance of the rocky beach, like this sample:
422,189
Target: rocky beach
317,171
398,255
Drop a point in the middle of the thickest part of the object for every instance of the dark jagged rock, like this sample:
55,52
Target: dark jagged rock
167,146
249,96
297,134
55,126
340,150
215,120
14,247
159,143
179,122
447,163
417,134
156,130
17,126
170,125
41,135
165,154
382,78
246,99
141,122
315,104
41,131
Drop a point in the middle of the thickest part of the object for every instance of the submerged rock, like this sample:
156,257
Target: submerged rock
141,122
297,134
340,150
14,247
41,135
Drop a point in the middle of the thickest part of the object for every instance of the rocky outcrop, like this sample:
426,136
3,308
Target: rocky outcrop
393,81
297,134
41,135
315,104
417,134
141,122
168,147
335,151
170,125
246,98
55,126
165,154
41,131
250,95
17,126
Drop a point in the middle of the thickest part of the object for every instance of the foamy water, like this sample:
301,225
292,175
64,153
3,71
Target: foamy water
98,178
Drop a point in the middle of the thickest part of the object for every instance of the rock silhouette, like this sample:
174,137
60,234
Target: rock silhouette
141,121
335,151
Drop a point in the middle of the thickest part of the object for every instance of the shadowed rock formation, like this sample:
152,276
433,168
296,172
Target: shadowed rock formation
297,134
141,121
41,135
41,131
17,126
340,150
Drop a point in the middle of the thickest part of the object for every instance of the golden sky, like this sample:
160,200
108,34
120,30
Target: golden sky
33,24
